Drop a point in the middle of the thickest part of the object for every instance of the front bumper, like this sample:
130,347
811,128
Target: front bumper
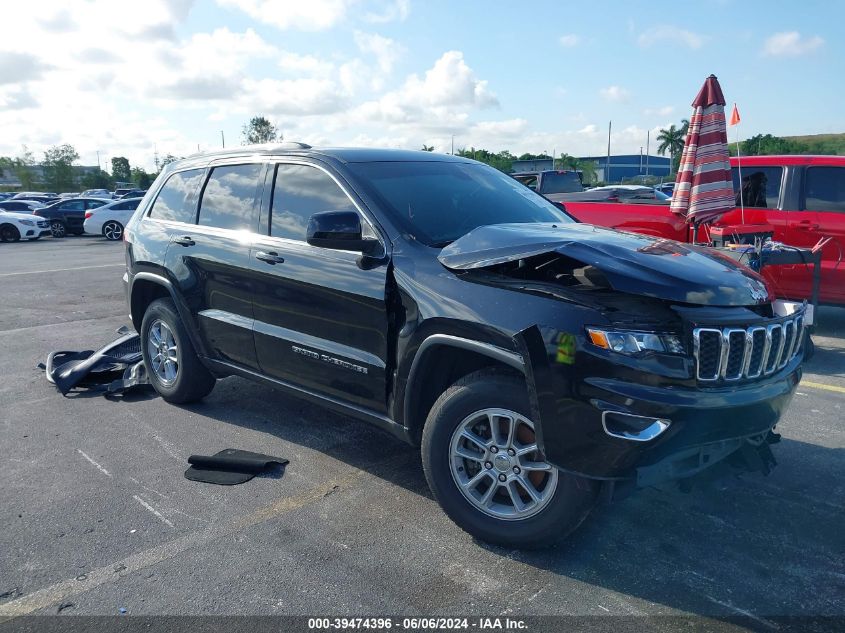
715,421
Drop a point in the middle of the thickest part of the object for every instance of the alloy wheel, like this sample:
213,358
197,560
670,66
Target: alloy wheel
58,229
163,352
112,230
498,467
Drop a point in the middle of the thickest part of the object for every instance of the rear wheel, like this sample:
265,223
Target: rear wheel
9,233
483,465
112,230
174,369
58,228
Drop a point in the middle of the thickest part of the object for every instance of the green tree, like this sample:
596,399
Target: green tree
766,144
141,178
588,169
58,167
503,161
671,139
120,169
96,179
169,158
260,130
427,148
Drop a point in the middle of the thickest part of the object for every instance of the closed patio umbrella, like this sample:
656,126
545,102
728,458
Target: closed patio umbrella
704,187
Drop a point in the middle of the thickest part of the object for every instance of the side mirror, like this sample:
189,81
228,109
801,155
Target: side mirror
340,230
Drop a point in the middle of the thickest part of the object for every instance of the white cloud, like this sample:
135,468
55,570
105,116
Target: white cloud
305,15
791,44
670,33
396,10
615,93
664,111
385,50
569,40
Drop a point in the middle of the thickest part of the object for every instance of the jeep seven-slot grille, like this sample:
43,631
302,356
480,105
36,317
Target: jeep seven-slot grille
732,353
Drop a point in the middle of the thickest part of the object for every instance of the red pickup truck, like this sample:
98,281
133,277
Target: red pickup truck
803,197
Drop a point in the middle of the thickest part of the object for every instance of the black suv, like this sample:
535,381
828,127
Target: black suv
541,364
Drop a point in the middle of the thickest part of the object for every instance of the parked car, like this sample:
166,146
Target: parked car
68,216
43,199
666,188
134,193
540,364
15,226
802,197
21,206
550,181
109,219
97,193
632,194
5,195
29,194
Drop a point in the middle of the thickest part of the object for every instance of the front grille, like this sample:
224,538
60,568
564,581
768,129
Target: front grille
731,353
42,224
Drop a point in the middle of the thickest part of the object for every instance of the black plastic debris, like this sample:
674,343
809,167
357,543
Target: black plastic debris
114,369
230,466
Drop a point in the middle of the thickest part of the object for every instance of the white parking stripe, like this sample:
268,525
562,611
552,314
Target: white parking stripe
60,270
158,514
96,465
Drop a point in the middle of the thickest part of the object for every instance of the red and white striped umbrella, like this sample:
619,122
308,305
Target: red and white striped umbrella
704,187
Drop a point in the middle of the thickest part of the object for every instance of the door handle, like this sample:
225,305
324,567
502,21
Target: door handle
271,257
185,240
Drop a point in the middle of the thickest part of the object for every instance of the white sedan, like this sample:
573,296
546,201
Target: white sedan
15,226
109,219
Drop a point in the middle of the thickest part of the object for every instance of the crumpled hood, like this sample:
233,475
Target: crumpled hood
636,264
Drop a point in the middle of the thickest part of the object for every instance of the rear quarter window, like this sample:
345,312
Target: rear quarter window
824,189
176,202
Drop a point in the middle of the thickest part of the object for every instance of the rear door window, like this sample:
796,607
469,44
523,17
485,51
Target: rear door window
230,197
176,202
73,205
760,186
299,192
824,189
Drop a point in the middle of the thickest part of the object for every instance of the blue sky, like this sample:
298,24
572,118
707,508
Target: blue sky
169,75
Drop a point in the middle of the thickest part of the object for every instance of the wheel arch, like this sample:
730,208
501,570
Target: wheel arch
440,361
146,288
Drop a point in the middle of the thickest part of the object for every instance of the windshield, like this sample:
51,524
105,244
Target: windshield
438,202
561,182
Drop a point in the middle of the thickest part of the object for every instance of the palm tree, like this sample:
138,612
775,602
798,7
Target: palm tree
427,148
671,139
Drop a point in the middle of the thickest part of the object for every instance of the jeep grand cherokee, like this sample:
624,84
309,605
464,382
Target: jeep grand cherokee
539,363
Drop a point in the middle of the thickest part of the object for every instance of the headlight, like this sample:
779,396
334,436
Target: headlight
627,342
27,222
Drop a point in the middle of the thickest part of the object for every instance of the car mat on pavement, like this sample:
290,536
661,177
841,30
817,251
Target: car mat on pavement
230,466
113,369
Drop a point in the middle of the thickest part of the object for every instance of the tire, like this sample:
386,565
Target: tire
58,228
181,378
113,230
564,501
9,233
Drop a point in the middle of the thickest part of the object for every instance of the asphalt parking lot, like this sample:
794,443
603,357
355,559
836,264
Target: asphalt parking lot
97,516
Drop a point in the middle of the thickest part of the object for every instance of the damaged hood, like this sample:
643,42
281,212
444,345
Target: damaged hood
631,263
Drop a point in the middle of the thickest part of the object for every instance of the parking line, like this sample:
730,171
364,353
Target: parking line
821,385
61,270
65,589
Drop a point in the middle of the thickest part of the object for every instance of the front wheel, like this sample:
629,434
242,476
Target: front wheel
483,464
58,229
9,233
112,230
174,369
